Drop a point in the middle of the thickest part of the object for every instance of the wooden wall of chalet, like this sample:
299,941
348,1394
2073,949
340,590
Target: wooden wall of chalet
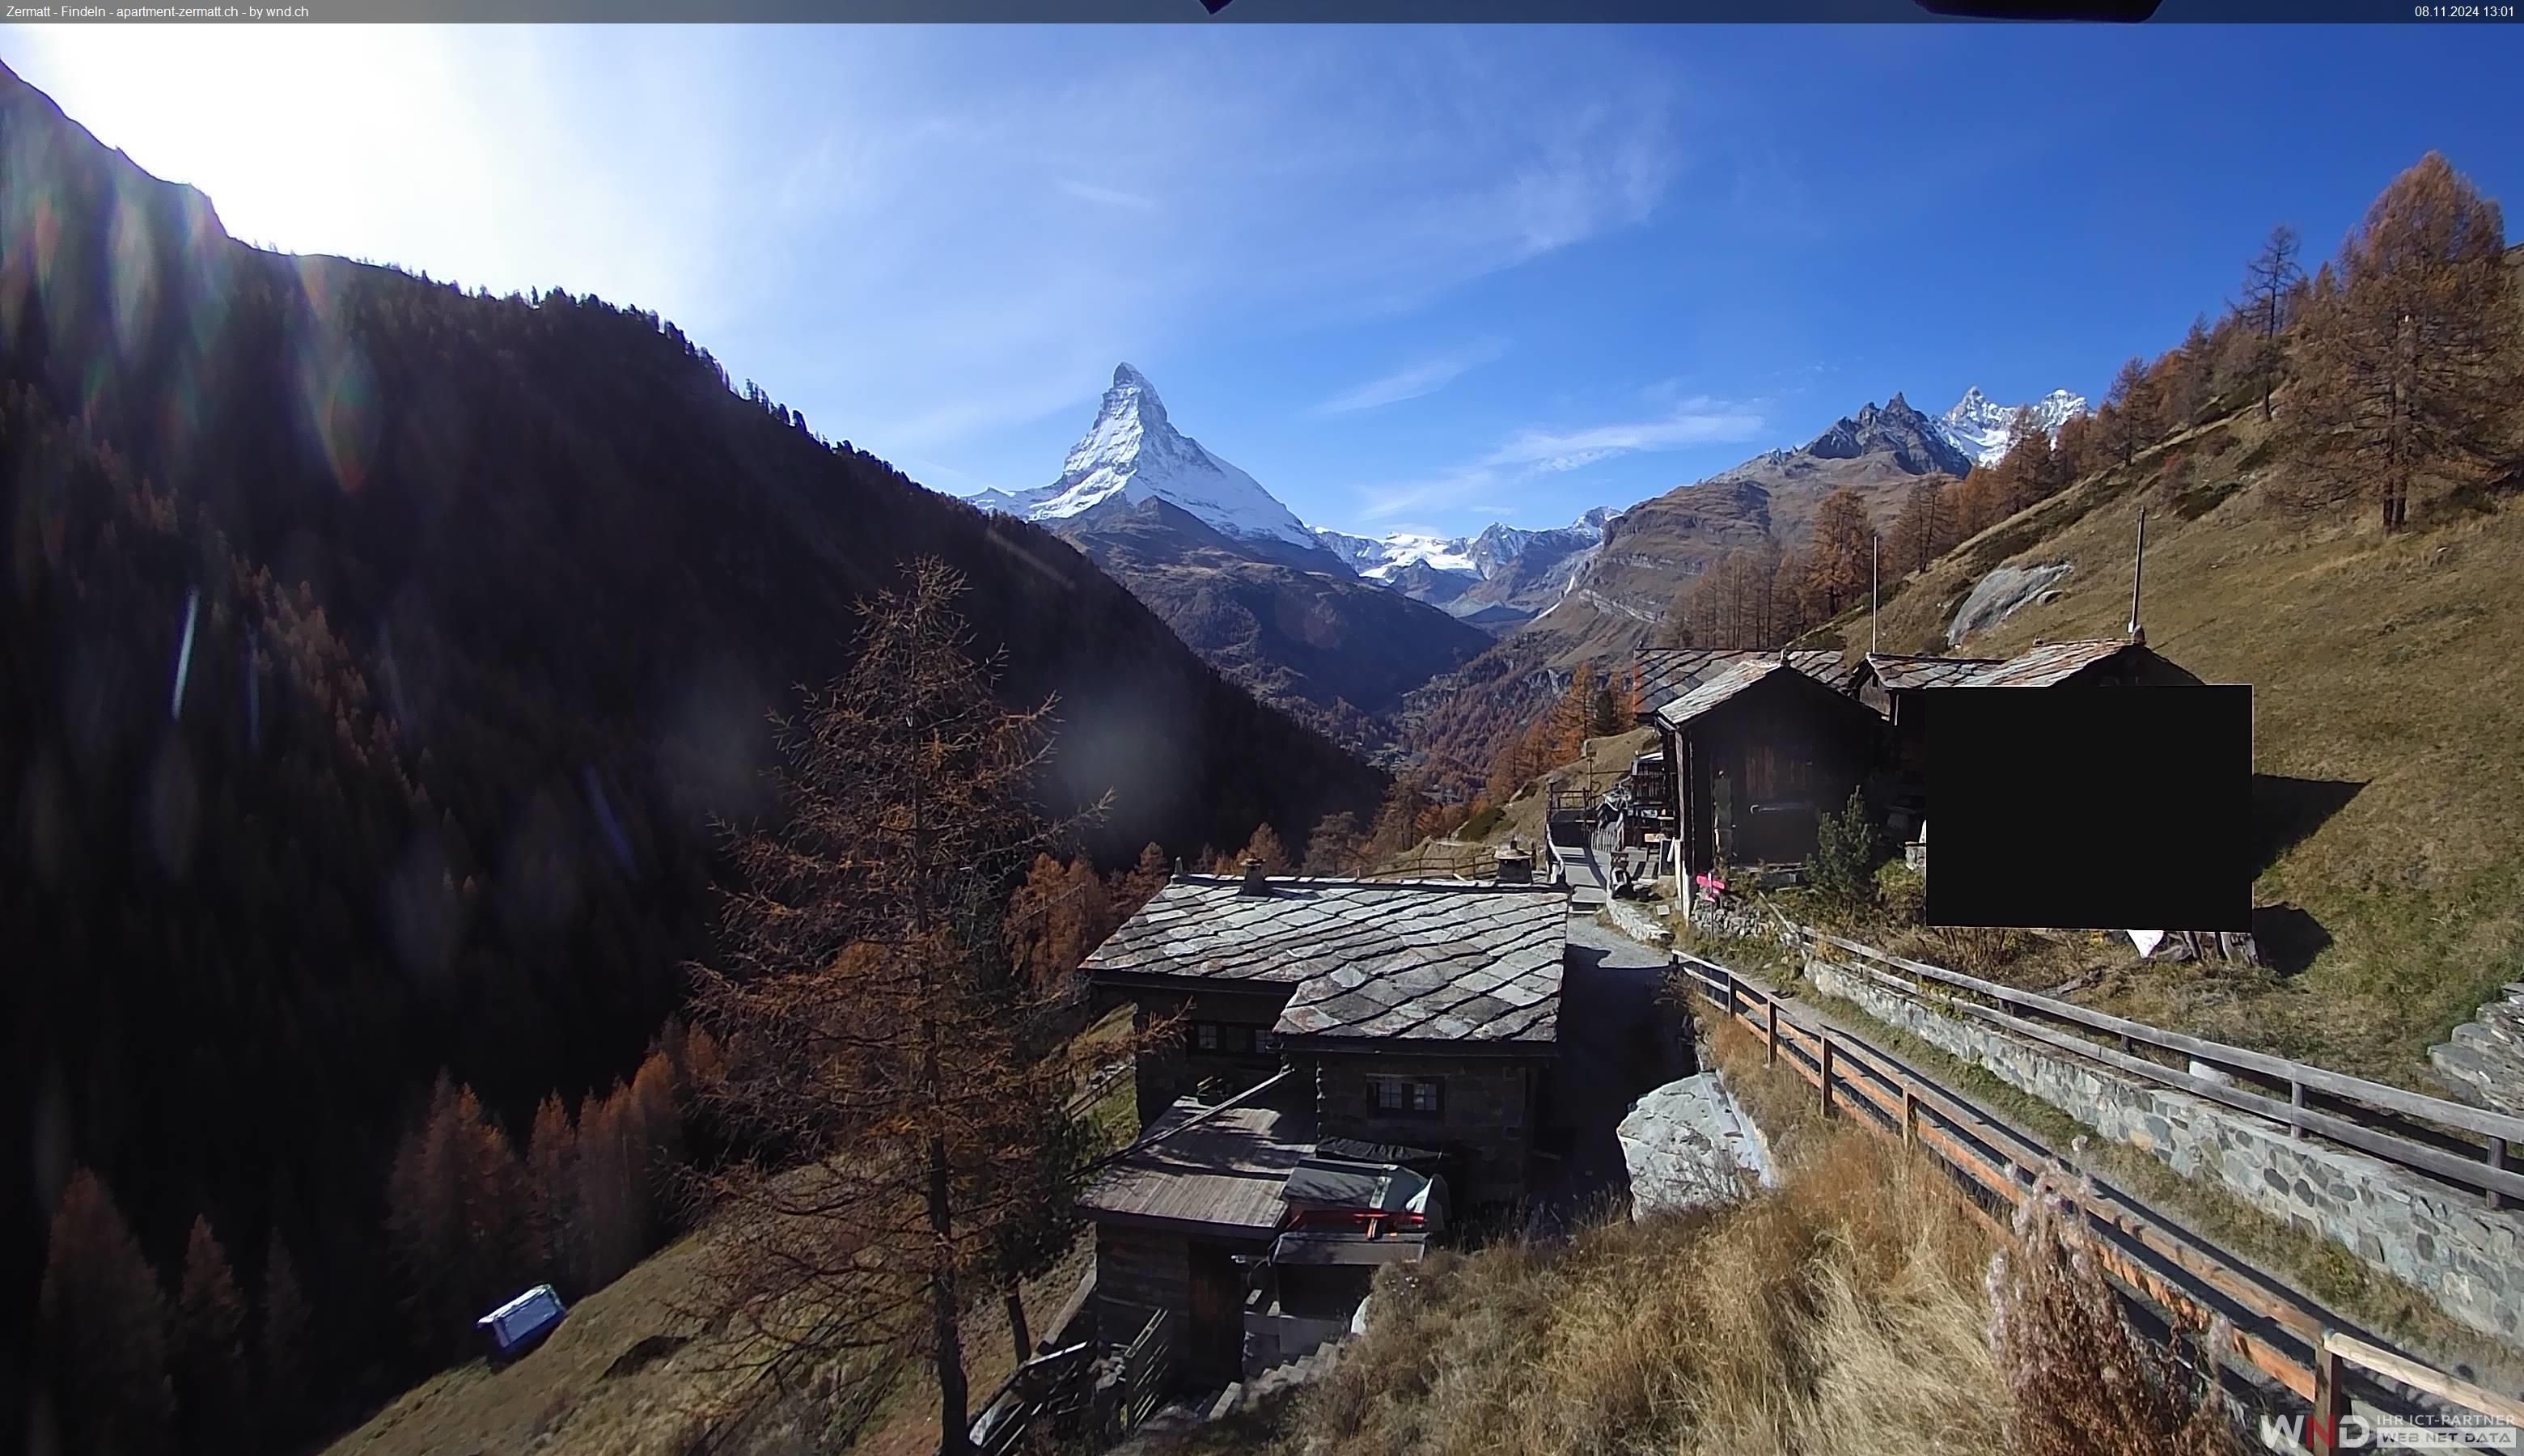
1786,739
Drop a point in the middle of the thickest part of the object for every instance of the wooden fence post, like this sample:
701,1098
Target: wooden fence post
1910,1116
2296,1102
2330,1399
2496,1163
1825,1079
1770,1049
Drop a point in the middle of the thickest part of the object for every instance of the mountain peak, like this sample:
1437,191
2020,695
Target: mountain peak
1981,428
1916,444
1133,451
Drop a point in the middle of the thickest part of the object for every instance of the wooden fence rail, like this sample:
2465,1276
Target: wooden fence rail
2444,1140
2295,1344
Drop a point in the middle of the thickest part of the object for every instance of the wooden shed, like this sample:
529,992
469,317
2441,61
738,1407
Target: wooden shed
1763,751
1174,1217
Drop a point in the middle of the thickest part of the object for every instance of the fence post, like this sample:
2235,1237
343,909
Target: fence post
2296,1102
1825,1079
1730,993
1910,1116
2496,1164
2330,1401
1770,1049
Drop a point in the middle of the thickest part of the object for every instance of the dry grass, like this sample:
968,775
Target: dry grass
2388,664
2321,1268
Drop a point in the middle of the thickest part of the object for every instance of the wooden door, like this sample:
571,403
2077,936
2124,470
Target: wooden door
1214,1342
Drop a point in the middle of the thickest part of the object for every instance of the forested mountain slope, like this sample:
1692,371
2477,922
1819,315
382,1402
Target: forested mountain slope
375,663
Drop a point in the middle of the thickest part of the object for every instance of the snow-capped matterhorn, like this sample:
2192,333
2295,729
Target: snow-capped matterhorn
1980,426
1133,452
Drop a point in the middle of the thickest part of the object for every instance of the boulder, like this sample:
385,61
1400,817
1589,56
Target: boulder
1689,1145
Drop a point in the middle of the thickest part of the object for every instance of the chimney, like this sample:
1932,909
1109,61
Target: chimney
1515,865
1255,882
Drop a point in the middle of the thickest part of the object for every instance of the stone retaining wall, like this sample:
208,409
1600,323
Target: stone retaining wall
2447,1241
1632,918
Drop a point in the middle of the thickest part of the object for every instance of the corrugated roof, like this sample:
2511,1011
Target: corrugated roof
1668,673
1924,670
2047,665
1230,1171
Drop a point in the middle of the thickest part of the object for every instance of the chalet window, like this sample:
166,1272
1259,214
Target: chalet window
1408,1096
1221,1037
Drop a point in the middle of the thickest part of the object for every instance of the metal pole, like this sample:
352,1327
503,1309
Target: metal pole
1874,554
2138,570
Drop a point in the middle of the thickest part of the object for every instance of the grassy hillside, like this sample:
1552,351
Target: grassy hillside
2384,680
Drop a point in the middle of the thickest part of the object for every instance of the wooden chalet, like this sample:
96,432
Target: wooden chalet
1665,674
1891,683
1760,750
1413,1017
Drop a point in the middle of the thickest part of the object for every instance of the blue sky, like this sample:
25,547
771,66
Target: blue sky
1410,278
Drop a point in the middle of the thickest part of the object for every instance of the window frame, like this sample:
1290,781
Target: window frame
1406,1092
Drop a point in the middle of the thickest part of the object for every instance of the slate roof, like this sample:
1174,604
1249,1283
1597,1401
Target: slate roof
1904,670
1668,673
1417,960
1229,1171
1723,687
2047,665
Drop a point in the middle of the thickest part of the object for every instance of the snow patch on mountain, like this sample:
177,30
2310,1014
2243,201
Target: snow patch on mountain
1134,451
1982,428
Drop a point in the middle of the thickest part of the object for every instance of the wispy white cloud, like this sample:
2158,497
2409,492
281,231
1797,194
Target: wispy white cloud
1699,420
1111,197
1531,453
1413,381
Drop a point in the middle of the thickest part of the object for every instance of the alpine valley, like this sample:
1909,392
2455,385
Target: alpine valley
1361,635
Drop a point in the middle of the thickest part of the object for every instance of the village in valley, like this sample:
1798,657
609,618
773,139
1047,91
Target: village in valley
1352,1072
559,908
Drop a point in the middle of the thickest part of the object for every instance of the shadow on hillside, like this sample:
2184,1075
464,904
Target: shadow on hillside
2286,938
2286,811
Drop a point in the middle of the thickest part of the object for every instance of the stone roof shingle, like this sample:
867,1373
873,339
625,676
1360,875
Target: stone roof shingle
1668,673
1904,670
2047,665
1369,960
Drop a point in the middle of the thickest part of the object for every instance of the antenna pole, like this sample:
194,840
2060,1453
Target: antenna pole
1874,554
2138,573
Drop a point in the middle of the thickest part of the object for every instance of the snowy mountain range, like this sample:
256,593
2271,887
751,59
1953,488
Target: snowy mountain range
1133,453
1980,427
1479,558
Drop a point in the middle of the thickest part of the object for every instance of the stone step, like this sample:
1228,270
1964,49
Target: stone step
2485,1041
2490,1082
2505,1025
